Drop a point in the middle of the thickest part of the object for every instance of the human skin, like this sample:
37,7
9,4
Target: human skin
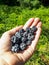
9,58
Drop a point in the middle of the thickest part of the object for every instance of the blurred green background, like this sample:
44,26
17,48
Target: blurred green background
17,12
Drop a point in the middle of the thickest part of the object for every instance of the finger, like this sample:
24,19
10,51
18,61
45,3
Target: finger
34,43
39,24
36,20
37,34
28,23
14,30
28,52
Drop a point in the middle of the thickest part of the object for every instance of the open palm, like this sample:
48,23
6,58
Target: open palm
21,57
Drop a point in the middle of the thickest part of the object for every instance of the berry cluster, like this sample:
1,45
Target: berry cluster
22,38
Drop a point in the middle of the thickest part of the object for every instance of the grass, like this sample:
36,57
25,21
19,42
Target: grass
15,16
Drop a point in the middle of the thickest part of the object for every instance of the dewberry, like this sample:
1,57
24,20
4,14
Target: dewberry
28,42
21,31
13,40
22,46
30,34
18,40
25,34
31,37
28,30
34,29
24,39
15,48
17,34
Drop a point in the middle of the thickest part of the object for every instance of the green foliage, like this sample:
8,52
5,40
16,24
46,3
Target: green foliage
23,3
26,3
45,2
30,3
15,16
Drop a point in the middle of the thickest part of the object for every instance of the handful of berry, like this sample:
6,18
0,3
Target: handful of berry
22,39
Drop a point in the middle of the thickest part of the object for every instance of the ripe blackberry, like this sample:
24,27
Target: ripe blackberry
15,48
25,34
28,42
18,40
30,34
17,34
34,29
31,37
22,46
13,40
24,39
21,31
28,30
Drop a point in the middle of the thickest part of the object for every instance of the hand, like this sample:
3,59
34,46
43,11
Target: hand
21,57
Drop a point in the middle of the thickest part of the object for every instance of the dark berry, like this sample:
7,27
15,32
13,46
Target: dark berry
24,39
21,34
18,37
30,34
28,42
17,34
22,46
21,31
25,34
18,40
31,37
13,40
34,29
15,48
28,30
